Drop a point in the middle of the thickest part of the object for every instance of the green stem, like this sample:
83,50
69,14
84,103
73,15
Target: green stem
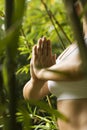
57,22
52,21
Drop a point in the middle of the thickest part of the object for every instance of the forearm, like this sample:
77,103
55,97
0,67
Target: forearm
32,89
61,72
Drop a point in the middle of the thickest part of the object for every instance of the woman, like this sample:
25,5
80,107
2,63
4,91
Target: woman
62,77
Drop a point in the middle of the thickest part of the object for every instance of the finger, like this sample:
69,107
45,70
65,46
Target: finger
54,59
31,65
44,45
40,42
44,39
39,48
35,50
49,48
34,54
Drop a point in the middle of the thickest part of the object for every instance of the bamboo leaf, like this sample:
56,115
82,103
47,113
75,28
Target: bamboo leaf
52,111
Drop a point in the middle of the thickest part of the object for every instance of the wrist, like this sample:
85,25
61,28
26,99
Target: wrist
37,81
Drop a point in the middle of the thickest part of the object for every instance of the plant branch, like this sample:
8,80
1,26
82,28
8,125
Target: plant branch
57,22
27,43
51,19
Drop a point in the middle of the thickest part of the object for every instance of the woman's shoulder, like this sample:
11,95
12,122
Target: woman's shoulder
67,51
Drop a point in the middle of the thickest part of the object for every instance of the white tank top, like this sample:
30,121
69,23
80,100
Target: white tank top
68,89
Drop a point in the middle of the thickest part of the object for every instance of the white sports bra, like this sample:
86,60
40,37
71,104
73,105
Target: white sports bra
71,89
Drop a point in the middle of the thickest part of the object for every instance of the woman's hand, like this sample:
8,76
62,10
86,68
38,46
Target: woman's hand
42,55
33,76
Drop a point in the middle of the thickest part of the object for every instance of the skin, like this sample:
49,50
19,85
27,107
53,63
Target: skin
37,87
64,71
42,69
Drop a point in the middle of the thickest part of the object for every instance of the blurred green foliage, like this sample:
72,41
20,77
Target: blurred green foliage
36,23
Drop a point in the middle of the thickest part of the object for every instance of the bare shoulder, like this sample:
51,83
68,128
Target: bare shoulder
70,51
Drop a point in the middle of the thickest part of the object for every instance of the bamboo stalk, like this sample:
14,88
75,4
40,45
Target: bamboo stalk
8,13
12,124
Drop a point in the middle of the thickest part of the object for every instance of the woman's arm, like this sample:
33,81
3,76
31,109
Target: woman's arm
60,72
66,70
36,88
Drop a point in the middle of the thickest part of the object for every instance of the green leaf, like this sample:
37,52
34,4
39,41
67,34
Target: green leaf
52,111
